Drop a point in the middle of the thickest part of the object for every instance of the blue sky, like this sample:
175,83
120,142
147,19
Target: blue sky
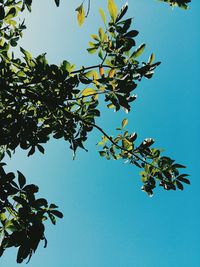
108,221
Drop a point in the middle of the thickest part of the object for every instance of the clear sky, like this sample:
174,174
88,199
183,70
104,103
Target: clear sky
108,221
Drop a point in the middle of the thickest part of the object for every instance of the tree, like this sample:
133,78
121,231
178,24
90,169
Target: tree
40,100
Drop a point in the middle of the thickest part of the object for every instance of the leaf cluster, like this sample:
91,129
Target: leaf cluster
180,3
22,215
155,167
39,101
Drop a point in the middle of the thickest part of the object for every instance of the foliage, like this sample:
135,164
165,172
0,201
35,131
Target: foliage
39,100
113,8
180,3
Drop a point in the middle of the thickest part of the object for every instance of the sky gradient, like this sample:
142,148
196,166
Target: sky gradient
108,221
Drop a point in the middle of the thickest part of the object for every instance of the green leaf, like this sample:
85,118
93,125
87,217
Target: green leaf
52,218
21,179
178,166
95,37
182,179
53,206
124,123
91,50
80,15
103,16
179,185
26,53
40,148
11,13
31,151
2,217
122,12
111,106
100,54
127,144
101,34
151,59
2,13
88,91
102,153
138,52
112,8
57,213
66,66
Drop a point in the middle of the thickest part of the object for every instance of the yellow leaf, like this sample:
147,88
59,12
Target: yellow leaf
95,37
138,52
124,123
111,106
89,91
111,73
151,59
101,34
127,144
102,88
103,16
112,8
80,15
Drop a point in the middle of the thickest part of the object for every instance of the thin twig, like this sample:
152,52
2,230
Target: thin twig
88,10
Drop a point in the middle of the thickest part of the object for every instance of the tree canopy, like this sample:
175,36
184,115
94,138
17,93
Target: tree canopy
40,101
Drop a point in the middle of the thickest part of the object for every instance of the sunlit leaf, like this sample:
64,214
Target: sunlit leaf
88,91
138,52
124,123
112,8
103,16
81,14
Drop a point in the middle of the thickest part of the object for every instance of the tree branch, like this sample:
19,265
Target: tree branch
114,143
89,68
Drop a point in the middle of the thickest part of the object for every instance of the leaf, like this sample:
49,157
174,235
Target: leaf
178,166
91,74
102,153
67,66
124,123
52,218
57,2
27,55
131,34
2,13
21,179
179,185
31,151
41,202
40,148
133,137
100,54
101,34
122,12
95,37
111,73
127,144
80,15
53,206
2,217
138,52
91,50
182,179
103,16
57,213
112,8
151,59
88,91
